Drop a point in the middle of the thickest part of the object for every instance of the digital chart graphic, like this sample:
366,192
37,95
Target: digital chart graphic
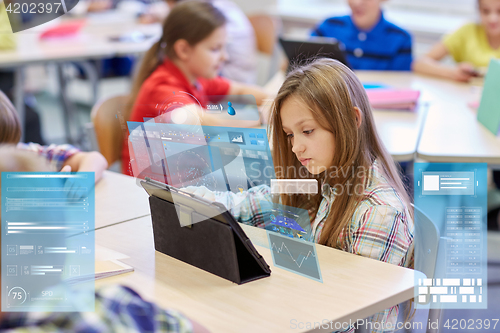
295,255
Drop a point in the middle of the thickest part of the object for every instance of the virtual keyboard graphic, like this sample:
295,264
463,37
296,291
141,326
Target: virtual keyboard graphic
450,290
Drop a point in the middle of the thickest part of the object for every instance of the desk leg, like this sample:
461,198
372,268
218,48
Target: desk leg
68,111
19,98
93,76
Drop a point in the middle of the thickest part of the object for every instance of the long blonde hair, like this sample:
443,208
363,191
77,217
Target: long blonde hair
191,20
10,126
331,90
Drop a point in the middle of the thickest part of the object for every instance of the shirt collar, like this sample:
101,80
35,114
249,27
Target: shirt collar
328,192
177,75
380,24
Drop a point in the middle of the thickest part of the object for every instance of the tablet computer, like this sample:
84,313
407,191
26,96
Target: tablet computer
202,233
301,51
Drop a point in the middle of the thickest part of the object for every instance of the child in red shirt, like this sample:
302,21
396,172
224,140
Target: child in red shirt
182,69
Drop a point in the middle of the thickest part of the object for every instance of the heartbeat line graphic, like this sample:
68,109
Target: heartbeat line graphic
291,256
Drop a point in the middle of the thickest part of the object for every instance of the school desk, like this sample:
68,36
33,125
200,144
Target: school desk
444,130
92,42
451,132
353,287
119,198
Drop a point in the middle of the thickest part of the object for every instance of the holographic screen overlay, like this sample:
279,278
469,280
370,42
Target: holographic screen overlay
183,108
177,105
46,241
296,256
233,107
26,14
218,158
294,186
288,221
451,235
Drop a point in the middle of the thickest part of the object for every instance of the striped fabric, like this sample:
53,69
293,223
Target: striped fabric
117,309
381,227
56,155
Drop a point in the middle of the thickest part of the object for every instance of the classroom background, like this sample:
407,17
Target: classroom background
87,74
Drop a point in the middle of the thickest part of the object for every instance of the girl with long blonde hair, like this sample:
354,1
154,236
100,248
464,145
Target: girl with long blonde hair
322,128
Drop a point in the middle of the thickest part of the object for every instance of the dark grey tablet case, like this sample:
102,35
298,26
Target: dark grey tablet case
217,245
301,51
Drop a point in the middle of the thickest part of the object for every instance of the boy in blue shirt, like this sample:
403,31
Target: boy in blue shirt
370,41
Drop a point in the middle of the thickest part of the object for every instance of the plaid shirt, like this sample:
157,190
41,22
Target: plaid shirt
56,155
117,309
381,227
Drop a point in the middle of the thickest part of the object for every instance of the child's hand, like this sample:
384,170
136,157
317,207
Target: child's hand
200,191
73,190
464,72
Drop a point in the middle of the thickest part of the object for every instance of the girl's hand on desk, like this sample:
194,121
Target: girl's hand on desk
72,188
200,191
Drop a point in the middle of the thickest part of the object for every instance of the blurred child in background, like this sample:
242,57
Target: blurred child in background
472,46
371,42
182,68
61,157
241,65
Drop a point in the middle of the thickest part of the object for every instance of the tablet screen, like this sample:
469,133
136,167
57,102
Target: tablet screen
219,158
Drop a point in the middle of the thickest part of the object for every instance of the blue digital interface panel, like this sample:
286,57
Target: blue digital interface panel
47,245
451,198
219,158
289,221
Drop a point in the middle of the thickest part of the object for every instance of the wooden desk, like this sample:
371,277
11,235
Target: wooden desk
93,42
451,132
353,287
119,198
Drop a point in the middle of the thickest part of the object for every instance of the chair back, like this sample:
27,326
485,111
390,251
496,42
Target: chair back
109,119
266,29
426,243
427,239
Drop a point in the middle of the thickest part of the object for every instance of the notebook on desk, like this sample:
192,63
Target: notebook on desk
103,269
63,30
393,99
203,234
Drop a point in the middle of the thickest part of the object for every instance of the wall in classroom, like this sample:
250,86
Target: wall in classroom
257,6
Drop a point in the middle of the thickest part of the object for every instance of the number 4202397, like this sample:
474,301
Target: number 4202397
471,324
33,8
